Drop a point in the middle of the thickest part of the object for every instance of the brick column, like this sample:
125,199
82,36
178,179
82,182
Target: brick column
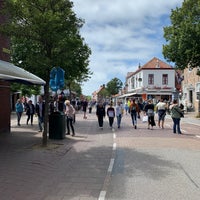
5,105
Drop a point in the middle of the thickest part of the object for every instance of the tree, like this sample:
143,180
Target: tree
26,90
183,36
114,86
75,87
45,34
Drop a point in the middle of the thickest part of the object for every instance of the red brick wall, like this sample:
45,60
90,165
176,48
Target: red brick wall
4,86
4,107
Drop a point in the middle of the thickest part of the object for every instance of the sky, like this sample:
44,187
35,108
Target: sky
121,35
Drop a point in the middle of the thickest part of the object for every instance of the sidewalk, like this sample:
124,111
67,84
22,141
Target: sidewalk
189,117
70,169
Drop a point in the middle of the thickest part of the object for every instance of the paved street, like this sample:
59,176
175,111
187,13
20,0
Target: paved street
101,164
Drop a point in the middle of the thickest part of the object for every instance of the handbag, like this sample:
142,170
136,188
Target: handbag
181,113
145,118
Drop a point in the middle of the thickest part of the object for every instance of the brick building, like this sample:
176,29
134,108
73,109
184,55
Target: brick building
4,86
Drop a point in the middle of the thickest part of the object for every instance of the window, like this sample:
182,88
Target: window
151,79
165,79
133,82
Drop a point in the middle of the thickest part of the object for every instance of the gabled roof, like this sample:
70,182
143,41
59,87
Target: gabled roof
153,64
99,90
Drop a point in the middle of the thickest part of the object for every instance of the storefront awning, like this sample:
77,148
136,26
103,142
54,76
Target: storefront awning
127,95
10,72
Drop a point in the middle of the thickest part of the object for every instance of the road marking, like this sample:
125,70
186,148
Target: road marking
102,195
114,146
112,160
198,136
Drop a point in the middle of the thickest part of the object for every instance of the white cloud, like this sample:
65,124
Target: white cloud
122,34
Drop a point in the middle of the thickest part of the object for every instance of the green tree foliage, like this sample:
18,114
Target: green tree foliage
183,35
104,93
45,34
114,86
74,87
26,90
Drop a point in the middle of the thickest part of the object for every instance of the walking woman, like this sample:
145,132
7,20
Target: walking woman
149,109
70,112
134,111
161,108
176,114
19,110
30,111
111,115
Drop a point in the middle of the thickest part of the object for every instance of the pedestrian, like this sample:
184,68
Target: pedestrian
90,106
135,112
126,107
100,113
40,110
19,110
30,111
111,115
161,108
84,107
176,114
149,110
60,103
69,112
119,113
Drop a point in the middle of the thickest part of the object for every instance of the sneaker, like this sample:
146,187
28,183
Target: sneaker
67,133
135,127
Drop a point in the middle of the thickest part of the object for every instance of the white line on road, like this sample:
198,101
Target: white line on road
102,195
114,146
112,160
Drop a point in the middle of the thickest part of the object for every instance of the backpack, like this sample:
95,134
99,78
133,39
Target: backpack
133,109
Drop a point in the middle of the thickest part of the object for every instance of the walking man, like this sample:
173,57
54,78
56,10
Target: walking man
100,112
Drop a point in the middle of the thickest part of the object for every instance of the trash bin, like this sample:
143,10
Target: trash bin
57,125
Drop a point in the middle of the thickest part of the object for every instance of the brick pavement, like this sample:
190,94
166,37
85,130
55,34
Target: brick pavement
74,168
70,169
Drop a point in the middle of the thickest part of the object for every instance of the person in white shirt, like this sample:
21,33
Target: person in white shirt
161,108
69,112
119,113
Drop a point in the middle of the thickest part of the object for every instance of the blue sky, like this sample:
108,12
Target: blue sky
122,34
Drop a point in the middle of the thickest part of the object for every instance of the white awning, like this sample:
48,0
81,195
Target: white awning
127,95
10,72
